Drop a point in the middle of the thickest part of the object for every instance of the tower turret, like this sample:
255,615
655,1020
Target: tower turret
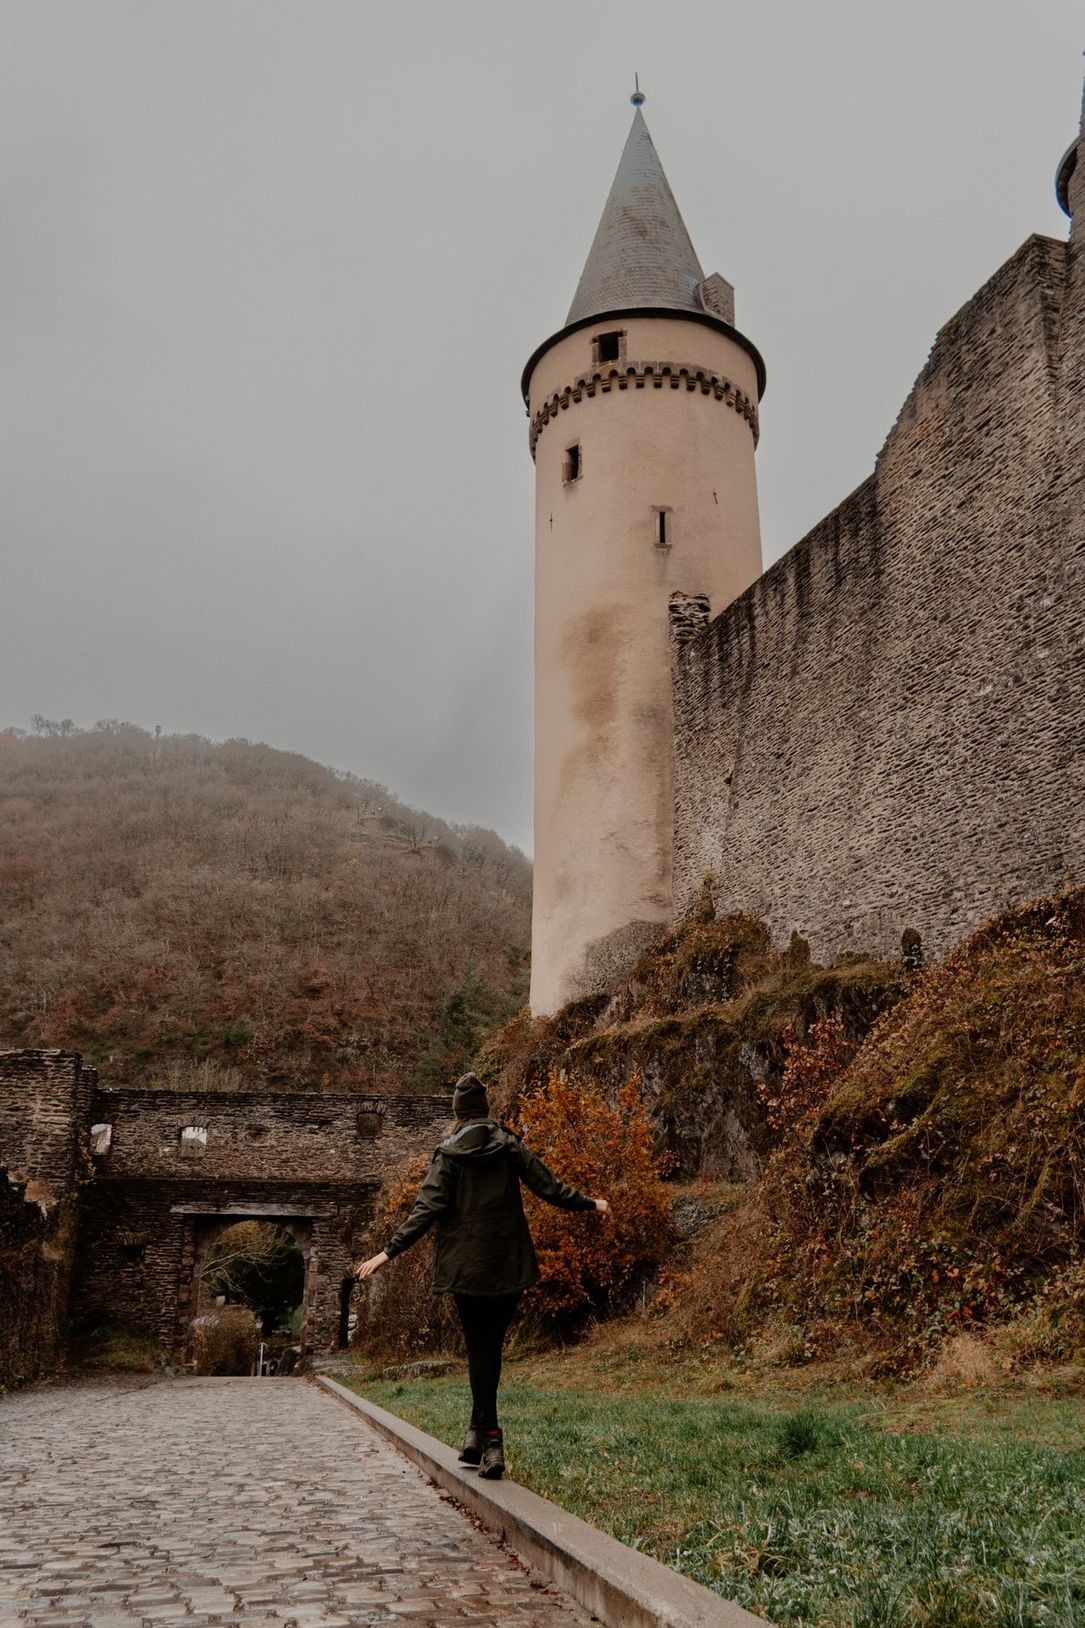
643,415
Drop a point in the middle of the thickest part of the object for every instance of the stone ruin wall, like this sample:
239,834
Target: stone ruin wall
316,1137
44,1104
111,1230
886,731
313,1160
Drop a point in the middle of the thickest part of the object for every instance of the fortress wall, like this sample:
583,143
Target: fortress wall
44,1108
141,1245
276,1136
145,1200
1072,356
885,731
313,1159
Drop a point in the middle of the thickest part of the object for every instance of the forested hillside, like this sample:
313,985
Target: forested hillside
182,911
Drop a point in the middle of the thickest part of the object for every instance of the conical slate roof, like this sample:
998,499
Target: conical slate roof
642,254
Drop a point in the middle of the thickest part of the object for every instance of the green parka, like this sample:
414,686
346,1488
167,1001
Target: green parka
472,1195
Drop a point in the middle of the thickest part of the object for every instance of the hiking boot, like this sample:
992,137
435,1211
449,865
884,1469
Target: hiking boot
471,1451
492,1466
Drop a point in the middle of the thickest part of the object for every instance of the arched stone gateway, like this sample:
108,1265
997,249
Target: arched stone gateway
206,1230
165,1172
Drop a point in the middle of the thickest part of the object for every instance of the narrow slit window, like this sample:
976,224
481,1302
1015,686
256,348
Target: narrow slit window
662,518
572,467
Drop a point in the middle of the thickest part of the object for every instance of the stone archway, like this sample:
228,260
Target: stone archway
201,1229
261,1265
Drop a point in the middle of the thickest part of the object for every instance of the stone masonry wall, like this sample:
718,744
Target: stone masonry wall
132,1212
304,1135
886,730
44,1102
37,1247
142,1246
311,1161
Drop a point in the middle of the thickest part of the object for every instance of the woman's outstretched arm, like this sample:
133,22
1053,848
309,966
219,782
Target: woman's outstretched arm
546,1185
435,1195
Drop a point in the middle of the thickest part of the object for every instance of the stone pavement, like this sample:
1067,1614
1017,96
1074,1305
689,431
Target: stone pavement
163,1504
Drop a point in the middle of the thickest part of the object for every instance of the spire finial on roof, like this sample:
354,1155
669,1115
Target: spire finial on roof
638,97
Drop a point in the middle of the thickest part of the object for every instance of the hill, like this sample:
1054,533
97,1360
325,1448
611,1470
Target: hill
188,912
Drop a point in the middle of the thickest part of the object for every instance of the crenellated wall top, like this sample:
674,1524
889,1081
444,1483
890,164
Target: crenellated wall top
639,376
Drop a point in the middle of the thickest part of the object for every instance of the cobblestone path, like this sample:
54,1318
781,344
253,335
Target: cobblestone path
149,1504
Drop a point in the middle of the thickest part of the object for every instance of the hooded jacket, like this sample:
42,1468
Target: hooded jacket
472,1195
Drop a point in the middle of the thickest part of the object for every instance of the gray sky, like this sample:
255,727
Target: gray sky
271,271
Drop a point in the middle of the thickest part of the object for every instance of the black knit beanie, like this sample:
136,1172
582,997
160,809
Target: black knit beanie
469,1100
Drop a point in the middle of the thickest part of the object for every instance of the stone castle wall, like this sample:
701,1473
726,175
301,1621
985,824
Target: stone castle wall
44,1104
886,730
45,1099
112,1228
282,1136
312,1161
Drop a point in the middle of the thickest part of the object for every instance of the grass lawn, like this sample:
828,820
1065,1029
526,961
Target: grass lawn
849,1508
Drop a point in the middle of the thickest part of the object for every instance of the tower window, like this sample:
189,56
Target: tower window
572,468
662,521
609,347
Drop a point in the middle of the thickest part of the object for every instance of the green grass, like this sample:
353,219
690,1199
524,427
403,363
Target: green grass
815,1514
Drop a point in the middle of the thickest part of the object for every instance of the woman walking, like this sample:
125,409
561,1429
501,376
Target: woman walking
484,1255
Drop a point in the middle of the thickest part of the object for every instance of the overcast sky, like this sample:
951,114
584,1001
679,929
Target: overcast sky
271,270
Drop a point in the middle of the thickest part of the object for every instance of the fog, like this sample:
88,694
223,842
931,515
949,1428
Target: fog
271,271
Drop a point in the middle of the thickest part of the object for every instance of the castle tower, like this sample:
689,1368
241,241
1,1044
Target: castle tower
643,413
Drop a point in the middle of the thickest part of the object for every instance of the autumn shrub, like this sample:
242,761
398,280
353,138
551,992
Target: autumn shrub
225,1340
588,1263
811,1072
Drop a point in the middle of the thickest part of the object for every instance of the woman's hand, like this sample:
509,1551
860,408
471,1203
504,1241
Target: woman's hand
602,1206
367,1268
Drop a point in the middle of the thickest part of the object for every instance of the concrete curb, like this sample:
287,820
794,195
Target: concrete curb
620,1586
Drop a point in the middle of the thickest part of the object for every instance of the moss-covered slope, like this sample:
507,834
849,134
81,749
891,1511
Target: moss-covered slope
704,1022
909,1145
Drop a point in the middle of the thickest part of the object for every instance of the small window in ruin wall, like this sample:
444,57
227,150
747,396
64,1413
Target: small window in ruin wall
369,1126
192,1141
573,466
101,1140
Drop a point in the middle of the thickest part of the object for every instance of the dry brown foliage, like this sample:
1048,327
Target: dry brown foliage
192,913
225,1340
399,1316
930,1182
706,1020
588,1262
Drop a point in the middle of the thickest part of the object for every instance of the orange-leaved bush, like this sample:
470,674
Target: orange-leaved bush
588,1261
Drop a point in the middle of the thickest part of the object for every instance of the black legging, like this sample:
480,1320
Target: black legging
485,1319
